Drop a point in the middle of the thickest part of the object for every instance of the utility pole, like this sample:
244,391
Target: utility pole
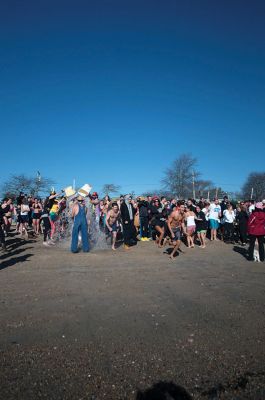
216,193
38,180
251,194
193,184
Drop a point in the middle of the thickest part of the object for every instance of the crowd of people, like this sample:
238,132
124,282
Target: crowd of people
128,220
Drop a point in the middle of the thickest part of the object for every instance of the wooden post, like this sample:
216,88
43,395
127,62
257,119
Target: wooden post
193,185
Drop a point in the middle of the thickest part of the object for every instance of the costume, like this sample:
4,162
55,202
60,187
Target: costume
127,217
80,224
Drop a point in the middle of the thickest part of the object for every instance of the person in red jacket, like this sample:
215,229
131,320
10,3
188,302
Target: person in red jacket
256,230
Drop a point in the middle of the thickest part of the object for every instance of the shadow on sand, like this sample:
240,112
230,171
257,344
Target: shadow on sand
14,247
241,250
164,391
14,260
15,242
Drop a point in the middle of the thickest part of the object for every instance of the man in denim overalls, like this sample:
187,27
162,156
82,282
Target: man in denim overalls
80,224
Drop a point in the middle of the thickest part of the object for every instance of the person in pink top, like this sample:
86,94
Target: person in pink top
256,230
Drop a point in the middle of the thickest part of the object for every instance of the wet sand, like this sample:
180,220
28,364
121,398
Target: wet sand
110,325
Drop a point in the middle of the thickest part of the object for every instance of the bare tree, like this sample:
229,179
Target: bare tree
159,193
27,184
255,181
179,178
202,187
109,188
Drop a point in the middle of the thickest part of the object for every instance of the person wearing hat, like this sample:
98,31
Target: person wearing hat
94,200
256,231
80,225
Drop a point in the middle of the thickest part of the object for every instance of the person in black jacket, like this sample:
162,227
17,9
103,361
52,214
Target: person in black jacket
127,217
158,220
201,226
242,221
144,219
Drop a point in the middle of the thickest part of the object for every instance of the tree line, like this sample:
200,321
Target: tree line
182,180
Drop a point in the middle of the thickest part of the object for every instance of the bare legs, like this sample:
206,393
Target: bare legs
190,241
175,249
114,236
161,232
53,227
201,237
36,226
23,228
213,234
7,224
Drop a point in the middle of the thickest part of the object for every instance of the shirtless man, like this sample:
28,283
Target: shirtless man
112,222
175,224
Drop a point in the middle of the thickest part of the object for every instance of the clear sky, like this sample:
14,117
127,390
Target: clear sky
113,91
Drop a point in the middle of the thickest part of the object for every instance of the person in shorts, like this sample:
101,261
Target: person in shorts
190,226
24,217
112,223
214,217
37,211
176,226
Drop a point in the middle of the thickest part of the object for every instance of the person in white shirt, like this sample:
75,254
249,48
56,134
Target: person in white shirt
205,209
214,218
228,219
24,215
251,207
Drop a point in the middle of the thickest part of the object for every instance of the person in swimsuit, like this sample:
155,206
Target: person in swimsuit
24,215
2,233
190,227
51,204
19,200
176,225
37,210
112,223
7,208
54,216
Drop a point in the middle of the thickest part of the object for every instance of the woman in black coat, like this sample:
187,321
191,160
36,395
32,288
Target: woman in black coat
242,220
158,220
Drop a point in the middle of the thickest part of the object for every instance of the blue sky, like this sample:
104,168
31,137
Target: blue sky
113,91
